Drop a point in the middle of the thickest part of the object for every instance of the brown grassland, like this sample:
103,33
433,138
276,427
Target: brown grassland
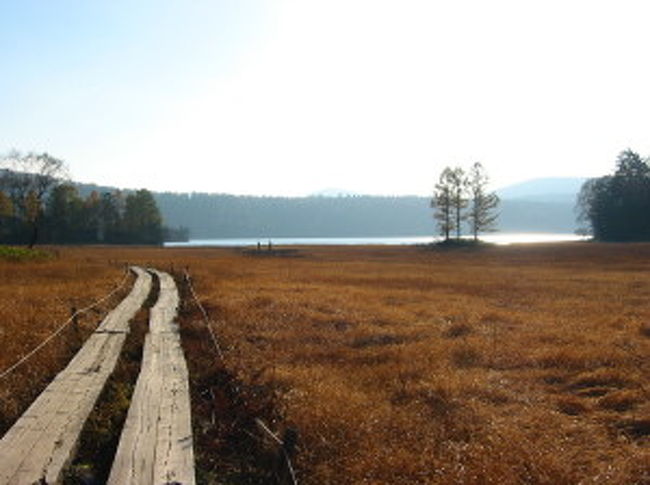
521,364
36,297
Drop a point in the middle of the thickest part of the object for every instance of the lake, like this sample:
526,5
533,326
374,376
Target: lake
497,238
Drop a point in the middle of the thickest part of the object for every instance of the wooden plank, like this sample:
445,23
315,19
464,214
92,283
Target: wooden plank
156,442
43,441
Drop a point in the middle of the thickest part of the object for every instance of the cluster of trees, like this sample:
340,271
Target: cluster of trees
462,197
38,204
617,207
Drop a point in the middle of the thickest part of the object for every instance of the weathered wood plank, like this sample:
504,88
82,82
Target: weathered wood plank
156,442
42,442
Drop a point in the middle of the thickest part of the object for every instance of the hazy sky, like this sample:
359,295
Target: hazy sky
289,97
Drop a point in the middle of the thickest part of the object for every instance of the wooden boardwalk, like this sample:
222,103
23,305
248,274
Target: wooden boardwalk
43,441
156,442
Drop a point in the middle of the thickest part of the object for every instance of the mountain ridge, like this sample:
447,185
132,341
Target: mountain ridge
543,189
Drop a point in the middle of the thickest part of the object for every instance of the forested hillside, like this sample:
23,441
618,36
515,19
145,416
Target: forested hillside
215,216
222,215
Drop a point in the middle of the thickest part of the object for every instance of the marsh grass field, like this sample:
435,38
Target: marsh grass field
396,365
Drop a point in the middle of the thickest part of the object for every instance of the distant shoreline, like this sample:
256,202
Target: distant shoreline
497,238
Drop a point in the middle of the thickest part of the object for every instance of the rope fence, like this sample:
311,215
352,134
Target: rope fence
285,446
54,334
206,317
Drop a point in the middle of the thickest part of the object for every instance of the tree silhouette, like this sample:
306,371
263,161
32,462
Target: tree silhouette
616,207
461,196
443,204
6,215
27,178
459,201
142,219
482,214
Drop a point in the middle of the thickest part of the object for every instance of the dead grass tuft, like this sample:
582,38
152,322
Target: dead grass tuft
456,330
466,356
376,341
644,329
608,378
439,400
572,406
621,401
635,428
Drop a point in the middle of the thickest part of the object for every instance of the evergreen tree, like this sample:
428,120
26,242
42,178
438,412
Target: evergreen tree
442,203
482,216
458,181
90,217
6,216
142,219
33,209
616,207
111,208
62,214
6,206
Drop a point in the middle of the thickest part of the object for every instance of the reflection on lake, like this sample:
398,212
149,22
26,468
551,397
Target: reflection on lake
497,238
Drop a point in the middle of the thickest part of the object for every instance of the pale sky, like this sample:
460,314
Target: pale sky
288,97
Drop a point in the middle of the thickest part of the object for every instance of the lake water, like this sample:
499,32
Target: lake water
497,238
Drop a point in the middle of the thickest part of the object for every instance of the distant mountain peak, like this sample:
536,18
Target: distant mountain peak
547,189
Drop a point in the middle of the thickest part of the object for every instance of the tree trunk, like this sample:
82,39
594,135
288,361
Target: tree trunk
447,224
34,236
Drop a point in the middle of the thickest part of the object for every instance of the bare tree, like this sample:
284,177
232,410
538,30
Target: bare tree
458,182
442,202
27,178
482,216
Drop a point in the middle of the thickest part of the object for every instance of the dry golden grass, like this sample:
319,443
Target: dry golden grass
402,365
36,297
